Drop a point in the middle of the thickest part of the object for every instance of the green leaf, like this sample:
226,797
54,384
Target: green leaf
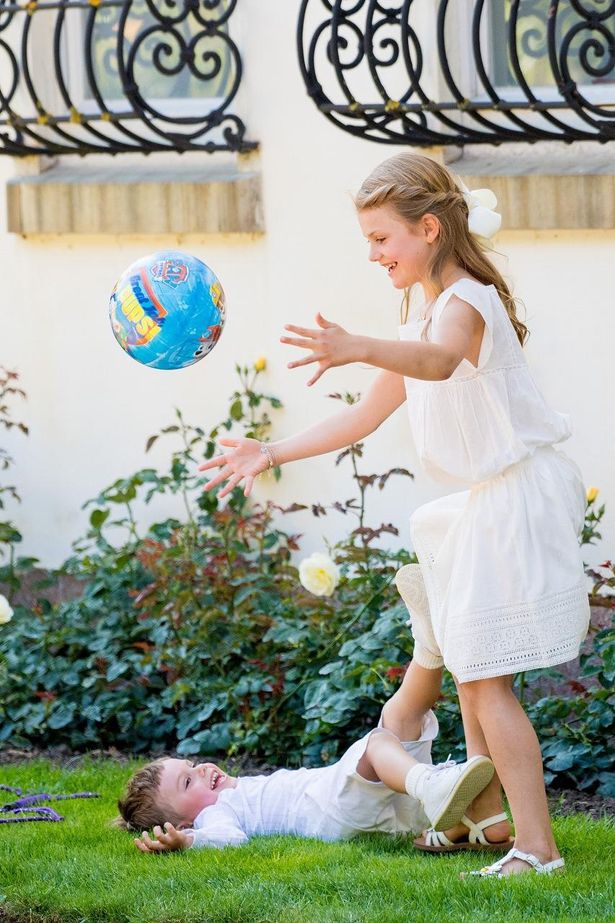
9,534
236,410
116,669
607,784
61,715
98,517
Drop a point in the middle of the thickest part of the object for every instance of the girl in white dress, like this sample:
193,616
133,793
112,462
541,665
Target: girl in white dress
499,587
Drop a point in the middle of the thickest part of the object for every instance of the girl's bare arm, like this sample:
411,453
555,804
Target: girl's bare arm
459,330
351,424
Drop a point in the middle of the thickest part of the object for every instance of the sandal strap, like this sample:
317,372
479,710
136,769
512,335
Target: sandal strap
494,819
476,834
528,857
437,838
494,870
543,868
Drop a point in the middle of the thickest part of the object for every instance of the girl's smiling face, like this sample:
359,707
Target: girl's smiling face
404,250
188,787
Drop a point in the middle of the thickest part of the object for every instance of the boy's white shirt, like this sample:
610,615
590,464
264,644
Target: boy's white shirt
259,806
221,828
327,803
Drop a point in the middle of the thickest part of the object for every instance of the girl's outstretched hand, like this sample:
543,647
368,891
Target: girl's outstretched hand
331,346
245,461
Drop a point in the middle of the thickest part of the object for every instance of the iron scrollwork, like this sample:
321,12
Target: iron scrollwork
127,75
433,72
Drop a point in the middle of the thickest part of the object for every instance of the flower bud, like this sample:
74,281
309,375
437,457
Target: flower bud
592,493
260,365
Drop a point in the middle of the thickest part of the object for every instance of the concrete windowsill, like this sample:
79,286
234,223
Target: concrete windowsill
79,199
546,186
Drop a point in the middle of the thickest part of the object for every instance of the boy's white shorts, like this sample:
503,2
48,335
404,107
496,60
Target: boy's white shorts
345,804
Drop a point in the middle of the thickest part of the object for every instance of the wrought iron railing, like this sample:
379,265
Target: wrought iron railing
83,76
434,72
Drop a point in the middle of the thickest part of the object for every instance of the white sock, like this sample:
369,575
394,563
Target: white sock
415,780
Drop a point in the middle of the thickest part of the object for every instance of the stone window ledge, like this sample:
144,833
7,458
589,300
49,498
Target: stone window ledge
78,199
546,186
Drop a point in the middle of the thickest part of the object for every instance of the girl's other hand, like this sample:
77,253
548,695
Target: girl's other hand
331,346
245,461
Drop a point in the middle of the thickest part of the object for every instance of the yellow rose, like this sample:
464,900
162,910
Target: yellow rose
592,493
6,613
260,365
319,574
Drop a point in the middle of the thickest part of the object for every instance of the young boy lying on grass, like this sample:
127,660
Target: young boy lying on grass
384,782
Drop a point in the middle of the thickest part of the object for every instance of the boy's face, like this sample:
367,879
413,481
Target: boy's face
188,787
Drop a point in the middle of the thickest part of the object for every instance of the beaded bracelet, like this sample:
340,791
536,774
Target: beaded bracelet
267,451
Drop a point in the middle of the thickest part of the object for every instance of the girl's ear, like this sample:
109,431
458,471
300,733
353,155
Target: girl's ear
431,227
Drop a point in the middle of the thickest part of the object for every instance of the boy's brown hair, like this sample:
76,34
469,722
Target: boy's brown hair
141,807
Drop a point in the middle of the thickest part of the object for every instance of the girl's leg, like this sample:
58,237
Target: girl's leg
489,802
514,748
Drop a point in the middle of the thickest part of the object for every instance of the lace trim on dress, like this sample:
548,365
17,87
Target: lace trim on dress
563,618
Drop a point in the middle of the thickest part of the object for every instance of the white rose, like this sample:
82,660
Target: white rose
6,613
319,574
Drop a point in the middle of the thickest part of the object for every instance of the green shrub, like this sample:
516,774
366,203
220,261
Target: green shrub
577,729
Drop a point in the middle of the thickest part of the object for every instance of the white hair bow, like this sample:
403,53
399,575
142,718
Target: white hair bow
483,220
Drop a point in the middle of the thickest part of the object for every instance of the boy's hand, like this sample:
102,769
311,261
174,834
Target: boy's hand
168,841
331,346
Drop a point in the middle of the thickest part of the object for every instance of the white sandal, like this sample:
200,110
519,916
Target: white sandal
438,842
495,870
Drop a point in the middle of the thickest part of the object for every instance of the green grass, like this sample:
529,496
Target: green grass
80,870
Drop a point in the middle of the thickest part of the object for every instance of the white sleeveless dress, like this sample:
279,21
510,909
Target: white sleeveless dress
500,560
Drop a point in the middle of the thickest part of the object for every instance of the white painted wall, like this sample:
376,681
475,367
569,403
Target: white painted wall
91,408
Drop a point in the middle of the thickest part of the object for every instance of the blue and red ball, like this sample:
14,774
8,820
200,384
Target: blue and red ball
167,310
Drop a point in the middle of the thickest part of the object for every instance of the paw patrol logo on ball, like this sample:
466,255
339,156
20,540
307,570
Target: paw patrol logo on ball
172,271
167,310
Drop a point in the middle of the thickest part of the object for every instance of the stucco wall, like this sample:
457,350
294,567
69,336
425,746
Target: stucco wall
90,408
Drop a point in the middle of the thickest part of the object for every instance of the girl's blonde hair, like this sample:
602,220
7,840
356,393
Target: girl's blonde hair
414,185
